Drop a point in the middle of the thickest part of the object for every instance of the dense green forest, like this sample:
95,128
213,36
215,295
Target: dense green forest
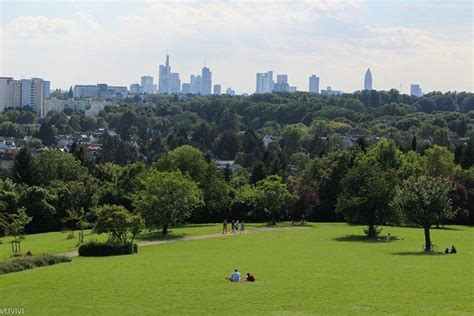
302,157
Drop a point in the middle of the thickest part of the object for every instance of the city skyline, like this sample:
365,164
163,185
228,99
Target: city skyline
335,40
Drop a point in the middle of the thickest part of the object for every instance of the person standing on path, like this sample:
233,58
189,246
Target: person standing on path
233,226
224,227
242,227
236,227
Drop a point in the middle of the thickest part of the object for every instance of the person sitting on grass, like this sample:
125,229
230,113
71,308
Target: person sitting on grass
446,250
234,277
250,277
453,249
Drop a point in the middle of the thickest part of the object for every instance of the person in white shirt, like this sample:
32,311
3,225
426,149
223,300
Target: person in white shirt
236,227
235,276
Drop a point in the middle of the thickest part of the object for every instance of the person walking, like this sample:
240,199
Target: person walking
242,227
233,226
236,228
224,227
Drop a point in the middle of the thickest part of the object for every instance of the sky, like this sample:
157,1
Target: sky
117,42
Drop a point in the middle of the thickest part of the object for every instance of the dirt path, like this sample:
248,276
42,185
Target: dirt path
146,243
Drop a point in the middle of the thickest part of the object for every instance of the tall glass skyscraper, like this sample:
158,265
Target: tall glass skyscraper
368,80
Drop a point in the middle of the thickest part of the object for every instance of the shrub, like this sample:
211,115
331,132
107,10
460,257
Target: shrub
25,263
98,249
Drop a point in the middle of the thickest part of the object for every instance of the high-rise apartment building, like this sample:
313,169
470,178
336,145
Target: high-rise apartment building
313,84
415,89
32,94
10,93
368,80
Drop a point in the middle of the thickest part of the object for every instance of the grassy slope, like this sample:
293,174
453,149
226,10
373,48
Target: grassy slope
303,271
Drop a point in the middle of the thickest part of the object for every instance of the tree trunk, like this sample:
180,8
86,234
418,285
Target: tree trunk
371,232
165,229
427,239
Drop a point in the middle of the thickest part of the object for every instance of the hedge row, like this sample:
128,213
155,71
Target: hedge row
25,263
99,249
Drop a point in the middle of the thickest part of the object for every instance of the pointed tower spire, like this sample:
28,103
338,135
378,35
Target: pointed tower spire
368,80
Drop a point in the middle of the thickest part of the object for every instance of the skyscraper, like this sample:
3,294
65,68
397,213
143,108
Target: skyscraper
195,82
313,84
174,83
368,80
206,81
282,84
168,82
217,89
264,82
146,84
164,80
186,88
415,90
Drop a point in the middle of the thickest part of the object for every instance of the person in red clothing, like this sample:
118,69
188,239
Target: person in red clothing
250,277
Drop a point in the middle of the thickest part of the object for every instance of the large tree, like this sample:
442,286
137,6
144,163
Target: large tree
271,195
118,222
366,194
425,202
440,162
166,198
23,170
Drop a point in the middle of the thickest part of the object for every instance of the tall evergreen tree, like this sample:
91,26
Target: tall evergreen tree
23,170
46,134
413,143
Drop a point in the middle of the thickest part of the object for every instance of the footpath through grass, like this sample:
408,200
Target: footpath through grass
57,242
323,269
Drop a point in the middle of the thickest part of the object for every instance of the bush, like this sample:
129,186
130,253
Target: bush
98,249
25,263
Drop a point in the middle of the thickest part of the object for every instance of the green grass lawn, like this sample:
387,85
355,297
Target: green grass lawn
57,242
46,243
325,269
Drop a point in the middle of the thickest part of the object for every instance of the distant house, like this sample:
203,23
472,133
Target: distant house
347,143
222,164
268,139
7,145
7,160
63,141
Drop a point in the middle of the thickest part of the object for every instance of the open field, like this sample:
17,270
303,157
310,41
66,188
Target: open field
57,243
322,269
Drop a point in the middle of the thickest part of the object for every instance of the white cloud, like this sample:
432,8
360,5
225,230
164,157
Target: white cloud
238,38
